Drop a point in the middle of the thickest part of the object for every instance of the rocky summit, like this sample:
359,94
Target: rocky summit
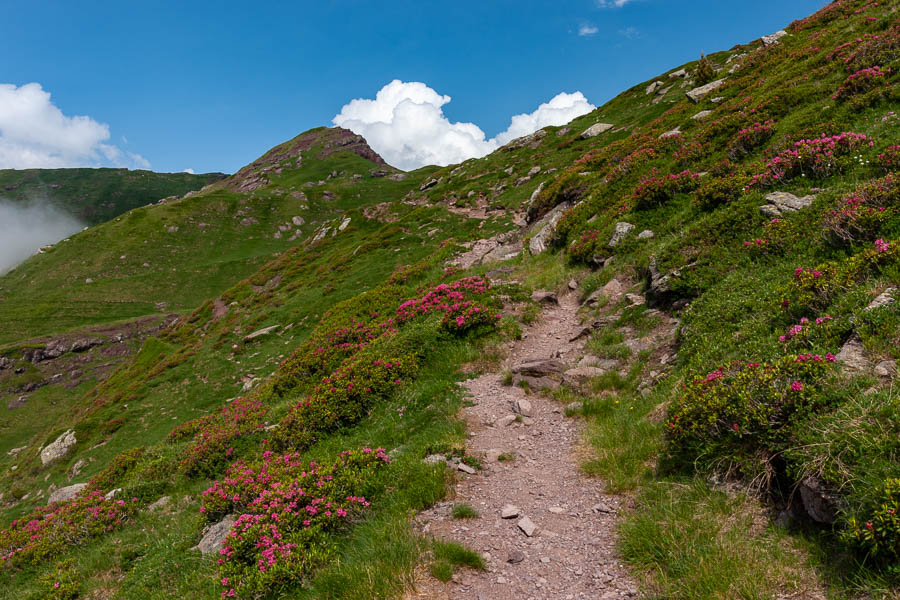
647,353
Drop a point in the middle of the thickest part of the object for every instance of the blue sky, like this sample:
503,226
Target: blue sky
211,86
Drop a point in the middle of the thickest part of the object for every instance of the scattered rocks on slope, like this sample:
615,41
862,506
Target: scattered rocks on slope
215,536
784,202
59,447
621,232
67,493
653,87
595,130
699,93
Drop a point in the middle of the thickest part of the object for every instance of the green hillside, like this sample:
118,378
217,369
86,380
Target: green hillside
97,195
734,252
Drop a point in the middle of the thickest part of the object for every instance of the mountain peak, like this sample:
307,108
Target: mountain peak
327,140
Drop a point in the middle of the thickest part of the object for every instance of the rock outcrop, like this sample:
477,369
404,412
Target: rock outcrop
595,130
699,93
59,448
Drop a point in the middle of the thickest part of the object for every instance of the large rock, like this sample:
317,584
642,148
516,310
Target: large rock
547,228
537,191
66,493
544,297
885,298
699,93
653,87
612,290
853,355
59,448
595,130
886,368
215,536
772,38
621,232
579,376
819,504
539,368
536,383
783,202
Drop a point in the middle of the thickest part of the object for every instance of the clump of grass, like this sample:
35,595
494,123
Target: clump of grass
464,511
506,457
695,543
530,314
452,555
507,378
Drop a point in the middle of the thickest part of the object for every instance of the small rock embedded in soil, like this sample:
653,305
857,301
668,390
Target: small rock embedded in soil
527,526
509,511
515,557
466,468
523,407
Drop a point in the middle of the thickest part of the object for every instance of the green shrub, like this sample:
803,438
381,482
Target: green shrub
742,416
879,535
720,190
705,71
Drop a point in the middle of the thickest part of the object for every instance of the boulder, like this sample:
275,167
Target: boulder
653,87
671,133
66,493
885,298
819,504
536,383
533,171
533,197
539,368
215,535
503,252
773,38
578,376
160,504
547,228
59,447
783,202
635,299
4,363
702,115
620,233
853,355
523,407
84,344
604,364
699,93
429,184
297,221
532,140
527,526
646,235
509,511
886,368
544,297
261,332
679,74
595,130
112,494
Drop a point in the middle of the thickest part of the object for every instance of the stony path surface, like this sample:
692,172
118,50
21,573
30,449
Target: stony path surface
571,553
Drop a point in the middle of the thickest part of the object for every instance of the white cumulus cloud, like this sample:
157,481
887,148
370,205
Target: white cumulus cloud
188,170
406,125
586,30
34,133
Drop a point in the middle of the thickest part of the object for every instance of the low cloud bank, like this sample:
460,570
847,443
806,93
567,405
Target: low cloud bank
26,227
406,125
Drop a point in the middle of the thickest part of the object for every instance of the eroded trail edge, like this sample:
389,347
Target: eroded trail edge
545,529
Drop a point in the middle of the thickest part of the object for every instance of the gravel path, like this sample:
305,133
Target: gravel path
571,552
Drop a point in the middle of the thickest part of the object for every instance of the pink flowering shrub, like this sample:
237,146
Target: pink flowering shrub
749,138
213,434
586,246
715,191
889,160
861,82
659,189
740,416
869,50
49,530
342,398
809,332
457,301
861,215
815,288
289,511
816,157
631,163
878,533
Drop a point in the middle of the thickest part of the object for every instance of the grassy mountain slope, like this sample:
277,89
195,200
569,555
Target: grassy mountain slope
97,195
749,410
